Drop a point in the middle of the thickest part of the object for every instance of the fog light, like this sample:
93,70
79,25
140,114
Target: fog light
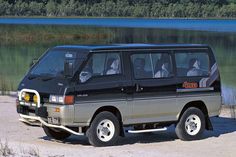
27,97
35,99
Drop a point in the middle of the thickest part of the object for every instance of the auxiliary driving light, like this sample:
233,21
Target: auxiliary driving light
27,97
35,99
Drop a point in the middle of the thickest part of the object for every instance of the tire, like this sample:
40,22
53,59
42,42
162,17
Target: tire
58,135
104,130
191,125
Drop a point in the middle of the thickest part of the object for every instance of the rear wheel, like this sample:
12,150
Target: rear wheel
191,124
56,134
104,130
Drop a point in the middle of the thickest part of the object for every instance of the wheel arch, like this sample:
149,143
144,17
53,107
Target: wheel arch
114,110
201,106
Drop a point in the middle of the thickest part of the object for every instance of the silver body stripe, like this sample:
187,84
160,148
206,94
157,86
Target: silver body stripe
195,89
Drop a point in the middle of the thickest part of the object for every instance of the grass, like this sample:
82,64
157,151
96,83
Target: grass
49,34
31,152
3,86
7,151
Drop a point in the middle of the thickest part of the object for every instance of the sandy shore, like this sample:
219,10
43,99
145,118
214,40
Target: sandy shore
24,140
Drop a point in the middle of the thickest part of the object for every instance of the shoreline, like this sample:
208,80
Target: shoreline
117,17
8,93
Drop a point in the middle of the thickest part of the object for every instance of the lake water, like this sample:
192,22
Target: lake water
23,39
186,24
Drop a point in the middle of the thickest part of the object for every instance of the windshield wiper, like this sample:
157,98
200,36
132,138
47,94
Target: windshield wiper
47,78
43,76
32,76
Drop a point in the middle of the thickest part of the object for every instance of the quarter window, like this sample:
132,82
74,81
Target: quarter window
151,65
192,64
101,64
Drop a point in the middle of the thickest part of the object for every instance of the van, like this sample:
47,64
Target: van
107,91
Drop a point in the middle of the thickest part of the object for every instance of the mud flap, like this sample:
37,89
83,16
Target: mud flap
208,124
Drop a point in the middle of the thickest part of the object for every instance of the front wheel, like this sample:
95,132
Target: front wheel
191,124
104,130
56,134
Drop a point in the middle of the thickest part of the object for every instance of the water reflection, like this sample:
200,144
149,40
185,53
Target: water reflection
229,94
219,25
19,44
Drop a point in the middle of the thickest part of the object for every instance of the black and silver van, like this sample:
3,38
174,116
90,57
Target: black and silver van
103,91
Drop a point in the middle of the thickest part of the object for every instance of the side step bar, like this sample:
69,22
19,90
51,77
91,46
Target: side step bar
29,120
146,130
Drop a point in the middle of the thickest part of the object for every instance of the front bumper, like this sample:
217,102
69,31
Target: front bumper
40,114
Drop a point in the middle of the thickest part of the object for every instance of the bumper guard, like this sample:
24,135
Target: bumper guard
37,121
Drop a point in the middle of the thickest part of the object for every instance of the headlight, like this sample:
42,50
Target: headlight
67,100
56,99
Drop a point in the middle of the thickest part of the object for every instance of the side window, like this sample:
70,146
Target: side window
112,64
192,64
162,65
101,64
151,65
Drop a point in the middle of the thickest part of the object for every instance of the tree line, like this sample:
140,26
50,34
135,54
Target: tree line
121,8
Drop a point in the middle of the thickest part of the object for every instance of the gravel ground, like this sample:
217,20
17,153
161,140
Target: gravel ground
28,141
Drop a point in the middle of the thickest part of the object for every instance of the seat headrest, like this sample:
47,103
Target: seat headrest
139,62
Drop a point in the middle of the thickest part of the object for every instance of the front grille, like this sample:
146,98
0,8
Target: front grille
23,109
31,109
41,111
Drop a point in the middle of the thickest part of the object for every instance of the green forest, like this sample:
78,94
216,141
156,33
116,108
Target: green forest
121,8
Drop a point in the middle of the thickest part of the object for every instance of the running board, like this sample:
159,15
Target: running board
146,130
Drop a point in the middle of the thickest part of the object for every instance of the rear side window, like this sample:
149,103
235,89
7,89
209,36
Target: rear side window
101,64
192,64
151,65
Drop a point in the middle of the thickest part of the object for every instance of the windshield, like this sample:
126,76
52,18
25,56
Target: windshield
52,63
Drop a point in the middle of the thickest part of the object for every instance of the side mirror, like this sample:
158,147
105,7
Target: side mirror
33,62
68,68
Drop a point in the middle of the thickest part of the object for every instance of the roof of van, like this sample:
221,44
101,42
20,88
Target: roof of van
128,46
